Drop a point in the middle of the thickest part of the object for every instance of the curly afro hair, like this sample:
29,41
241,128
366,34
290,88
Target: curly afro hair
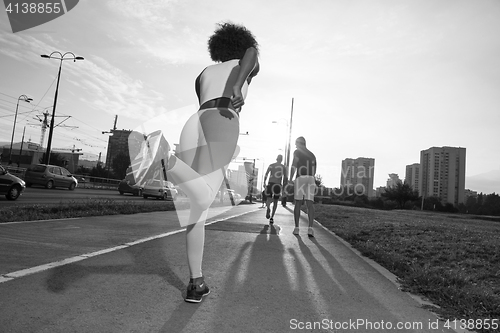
230,41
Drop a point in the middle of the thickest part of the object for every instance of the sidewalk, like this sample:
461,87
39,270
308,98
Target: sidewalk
260,280
267,282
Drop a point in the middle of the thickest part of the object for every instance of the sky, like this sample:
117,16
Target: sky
382,79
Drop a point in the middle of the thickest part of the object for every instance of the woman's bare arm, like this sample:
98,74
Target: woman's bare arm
249,66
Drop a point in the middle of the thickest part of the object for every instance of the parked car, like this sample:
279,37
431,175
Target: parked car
50,176
126,186
10,185
236,196
159,189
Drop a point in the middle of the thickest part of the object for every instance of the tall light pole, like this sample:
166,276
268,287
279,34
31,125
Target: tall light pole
287,154
21,98
285,159
60,57
289,141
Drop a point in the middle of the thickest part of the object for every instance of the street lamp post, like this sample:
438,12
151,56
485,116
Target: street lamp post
61,58
285,157
287,153
289,138
288,166
21,98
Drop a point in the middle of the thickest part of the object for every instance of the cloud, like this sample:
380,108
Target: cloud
25,48
112,90
153,27
152,12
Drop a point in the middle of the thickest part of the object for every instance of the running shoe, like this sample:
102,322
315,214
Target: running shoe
296,231
196,290
271,220
268,213
310,232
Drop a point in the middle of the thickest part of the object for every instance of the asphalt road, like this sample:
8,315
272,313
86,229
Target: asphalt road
129,274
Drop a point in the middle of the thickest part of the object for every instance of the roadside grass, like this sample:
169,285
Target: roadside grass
90,207
451,260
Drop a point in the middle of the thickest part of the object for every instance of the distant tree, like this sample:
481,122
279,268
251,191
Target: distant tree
491,204
471,205
401,193
377,203
361,200
450,208
120,164
99,171
318,180
82,170
433,203
480,198
483,204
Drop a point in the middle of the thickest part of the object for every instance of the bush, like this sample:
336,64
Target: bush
377,203
361,201
390,205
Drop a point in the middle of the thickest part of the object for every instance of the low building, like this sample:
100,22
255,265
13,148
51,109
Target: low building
25,154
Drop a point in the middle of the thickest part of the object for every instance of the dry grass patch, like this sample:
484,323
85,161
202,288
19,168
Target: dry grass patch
452,260
81,208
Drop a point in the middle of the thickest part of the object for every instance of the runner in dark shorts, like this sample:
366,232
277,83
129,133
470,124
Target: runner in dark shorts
276,172
273,190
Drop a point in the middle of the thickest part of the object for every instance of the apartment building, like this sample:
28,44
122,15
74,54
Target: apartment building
442,174
412,175
358,175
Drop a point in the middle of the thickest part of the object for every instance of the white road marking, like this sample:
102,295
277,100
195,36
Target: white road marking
32,270
37,221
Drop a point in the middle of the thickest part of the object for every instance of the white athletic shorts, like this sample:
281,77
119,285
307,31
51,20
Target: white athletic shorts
304,188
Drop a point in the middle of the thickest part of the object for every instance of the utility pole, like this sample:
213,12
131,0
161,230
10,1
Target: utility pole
21,150
287,160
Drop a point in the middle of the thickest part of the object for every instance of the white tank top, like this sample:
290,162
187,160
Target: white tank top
218,80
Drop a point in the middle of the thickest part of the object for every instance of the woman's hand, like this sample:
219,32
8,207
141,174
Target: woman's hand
248,69
237,98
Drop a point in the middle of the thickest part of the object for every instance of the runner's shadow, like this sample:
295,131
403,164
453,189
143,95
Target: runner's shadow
140,259
346,284
271,229
255,273
180,317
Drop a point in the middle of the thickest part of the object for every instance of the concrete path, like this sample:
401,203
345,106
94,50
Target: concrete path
262,280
